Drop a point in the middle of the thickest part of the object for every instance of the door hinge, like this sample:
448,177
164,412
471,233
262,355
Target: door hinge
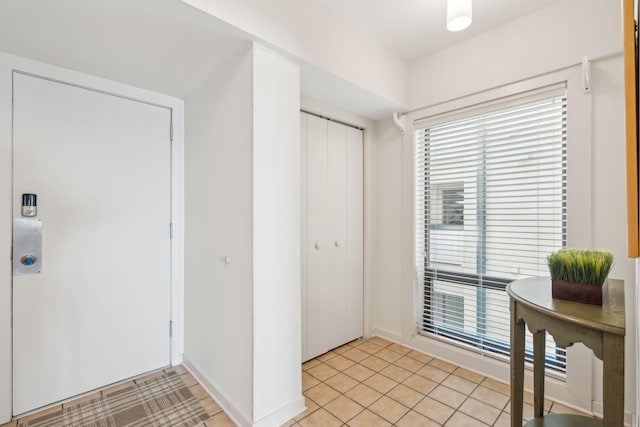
170,328
171,230
171,127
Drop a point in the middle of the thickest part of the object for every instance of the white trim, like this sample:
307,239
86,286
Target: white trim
283,414
485,107
275,418
6,172
227,405
9,64
388,335
577,390
177,244
47,71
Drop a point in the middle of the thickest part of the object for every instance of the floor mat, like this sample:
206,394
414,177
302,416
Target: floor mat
161,401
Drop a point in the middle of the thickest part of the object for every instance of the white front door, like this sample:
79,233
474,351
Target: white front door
98,311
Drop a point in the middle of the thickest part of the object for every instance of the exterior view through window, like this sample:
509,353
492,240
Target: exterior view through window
490,206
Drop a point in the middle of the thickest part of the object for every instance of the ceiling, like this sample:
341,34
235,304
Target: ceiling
161,45
416,28
169,47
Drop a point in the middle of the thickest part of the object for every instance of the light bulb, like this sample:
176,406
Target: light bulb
458,14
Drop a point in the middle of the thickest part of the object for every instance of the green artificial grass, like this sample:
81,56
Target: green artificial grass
580,265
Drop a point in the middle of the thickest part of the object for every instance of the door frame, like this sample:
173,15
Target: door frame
10,64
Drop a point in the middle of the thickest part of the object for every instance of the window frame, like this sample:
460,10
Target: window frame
435,270
576,388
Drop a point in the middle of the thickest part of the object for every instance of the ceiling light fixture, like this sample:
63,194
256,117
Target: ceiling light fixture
458,14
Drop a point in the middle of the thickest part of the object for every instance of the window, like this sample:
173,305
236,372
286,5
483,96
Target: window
449,308
490,205
447,205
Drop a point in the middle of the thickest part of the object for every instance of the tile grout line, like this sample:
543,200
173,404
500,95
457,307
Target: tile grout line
386,394
411,372
358,360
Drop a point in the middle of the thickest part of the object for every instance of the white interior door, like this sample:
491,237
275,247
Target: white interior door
99,310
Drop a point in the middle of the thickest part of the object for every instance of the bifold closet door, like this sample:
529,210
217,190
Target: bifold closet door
335,239
317,275
332,239
354,246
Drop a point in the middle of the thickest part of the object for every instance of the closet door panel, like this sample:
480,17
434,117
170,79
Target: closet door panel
317,245
355,234
337,233
303,233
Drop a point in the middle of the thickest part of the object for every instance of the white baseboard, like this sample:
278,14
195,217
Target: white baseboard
177,359
226,404
274,419
282,415
382,333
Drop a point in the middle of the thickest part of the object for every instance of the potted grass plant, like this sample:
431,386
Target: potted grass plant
579,274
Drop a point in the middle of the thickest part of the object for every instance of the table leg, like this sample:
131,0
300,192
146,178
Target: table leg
613,380
517,366
538,373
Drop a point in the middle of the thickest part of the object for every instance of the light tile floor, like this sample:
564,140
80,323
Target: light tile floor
378,383
374,382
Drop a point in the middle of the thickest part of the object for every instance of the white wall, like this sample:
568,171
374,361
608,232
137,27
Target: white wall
300,29
242,201
550,39
386,299
219,223
608,191
277,391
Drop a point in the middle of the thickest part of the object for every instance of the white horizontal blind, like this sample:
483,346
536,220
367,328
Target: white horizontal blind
490,206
